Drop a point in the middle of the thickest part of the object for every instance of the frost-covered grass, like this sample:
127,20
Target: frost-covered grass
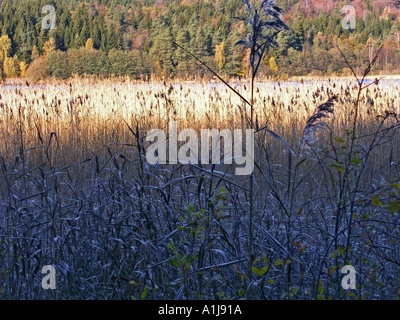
76,192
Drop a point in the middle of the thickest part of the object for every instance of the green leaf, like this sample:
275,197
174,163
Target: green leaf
335,254
356,160
332,270
337,167
175,262
260,272
376,201
393,207
320,289
340,140
170,246
278,262
144,294
256,271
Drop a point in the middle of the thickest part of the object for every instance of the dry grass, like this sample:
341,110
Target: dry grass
76,192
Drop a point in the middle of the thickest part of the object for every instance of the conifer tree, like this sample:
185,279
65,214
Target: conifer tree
164,52
184,60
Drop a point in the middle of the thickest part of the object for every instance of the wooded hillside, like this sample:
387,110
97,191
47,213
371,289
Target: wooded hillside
135,38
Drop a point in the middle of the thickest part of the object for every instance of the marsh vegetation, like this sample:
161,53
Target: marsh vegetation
77,192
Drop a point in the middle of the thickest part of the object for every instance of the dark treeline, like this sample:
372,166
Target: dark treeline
135,38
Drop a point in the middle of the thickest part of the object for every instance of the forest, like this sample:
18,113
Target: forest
137,38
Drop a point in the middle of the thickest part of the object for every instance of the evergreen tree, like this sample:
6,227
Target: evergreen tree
164,52
59,65
5,48
114,40
201,44
84,35
233,65
184,60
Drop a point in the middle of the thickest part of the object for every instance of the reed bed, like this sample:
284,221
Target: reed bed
76,192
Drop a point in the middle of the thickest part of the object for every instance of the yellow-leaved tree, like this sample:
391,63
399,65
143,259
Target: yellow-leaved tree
11,67
273,66
5,50
89,44
35,53
49,46
23,66
220,55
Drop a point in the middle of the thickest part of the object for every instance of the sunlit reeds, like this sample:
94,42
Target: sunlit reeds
86,116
